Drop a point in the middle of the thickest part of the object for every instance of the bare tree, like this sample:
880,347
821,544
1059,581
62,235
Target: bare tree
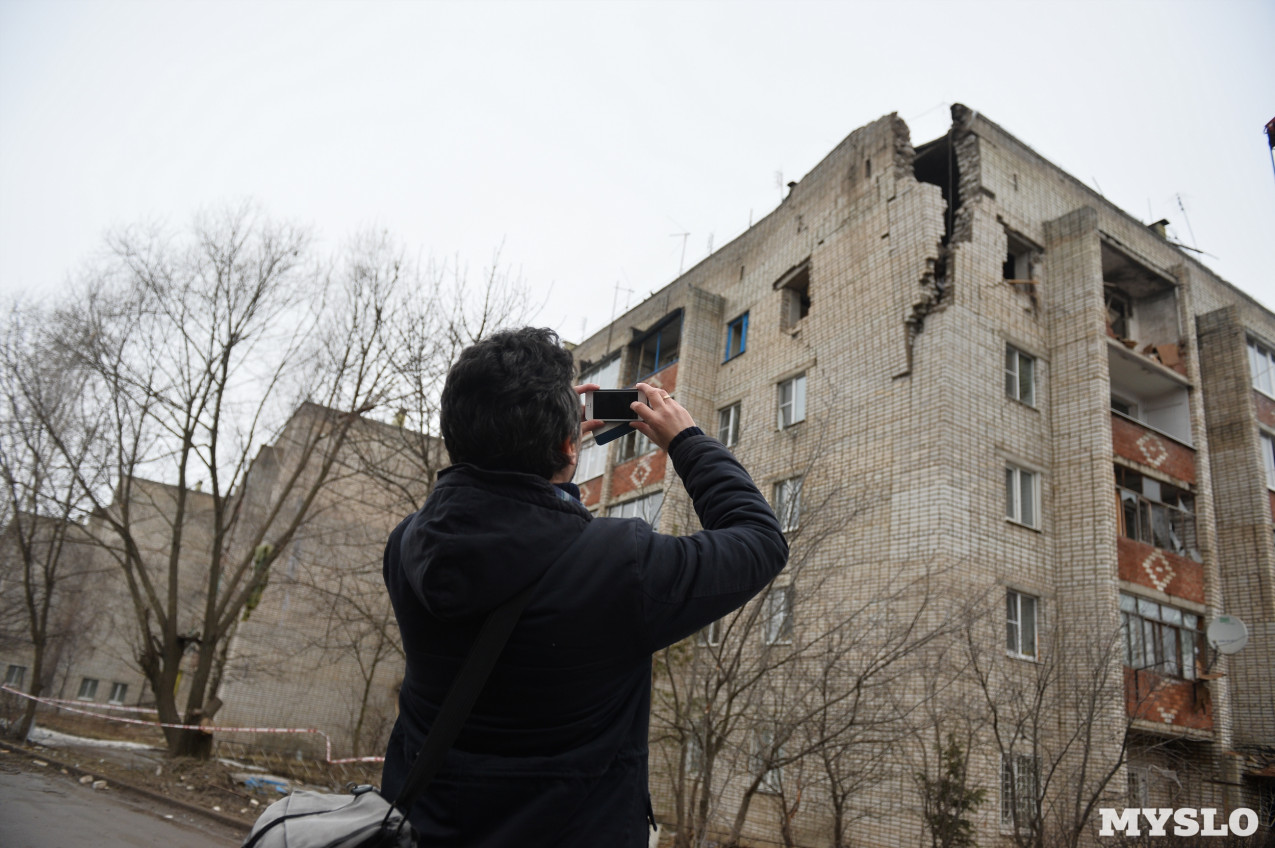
1059,723
200,349
48,494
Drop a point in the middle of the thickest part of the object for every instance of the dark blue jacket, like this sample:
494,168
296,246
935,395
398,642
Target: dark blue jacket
555,750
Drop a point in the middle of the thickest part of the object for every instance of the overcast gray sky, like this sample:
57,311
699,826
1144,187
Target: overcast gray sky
586,137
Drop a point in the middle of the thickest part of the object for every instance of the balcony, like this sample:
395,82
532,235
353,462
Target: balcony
1141,444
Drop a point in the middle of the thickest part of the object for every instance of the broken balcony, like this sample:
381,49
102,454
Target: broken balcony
1142,309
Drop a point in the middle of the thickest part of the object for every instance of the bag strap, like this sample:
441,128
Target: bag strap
461,697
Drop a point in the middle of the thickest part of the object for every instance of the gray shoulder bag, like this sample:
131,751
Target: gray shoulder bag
365,819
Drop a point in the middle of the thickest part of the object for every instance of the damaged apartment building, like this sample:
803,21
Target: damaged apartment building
965,373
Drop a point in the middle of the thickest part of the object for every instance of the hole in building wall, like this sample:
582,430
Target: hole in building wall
935,164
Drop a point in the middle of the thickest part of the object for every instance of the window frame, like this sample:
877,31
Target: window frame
596,454
786,501
660,360
710,636
1261,367
731,425
119,692
1019,792
619,510
1268,457
634,445
772,780
797,403
1016,617
88,689
1145,628
737,328
779,615
1014,496
15,675
1014,375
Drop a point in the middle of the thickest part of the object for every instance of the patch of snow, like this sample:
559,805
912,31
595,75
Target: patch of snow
54,739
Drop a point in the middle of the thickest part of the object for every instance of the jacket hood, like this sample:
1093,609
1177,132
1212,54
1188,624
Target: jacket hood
483,535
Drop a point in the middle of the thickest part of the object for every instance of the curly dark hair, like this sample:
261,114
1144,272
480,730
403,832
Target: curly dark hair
508,403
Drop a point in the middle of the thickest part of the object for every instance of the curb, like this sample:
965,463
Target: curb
185,806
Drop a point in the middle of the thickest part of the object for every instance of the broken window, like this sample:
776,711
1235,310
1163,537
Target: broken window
1119,312
1156,513
658,348
1160,637
1018,259
728,425
1021,496
1020,625
1142,306
736,337
794,289
1020,375
792,401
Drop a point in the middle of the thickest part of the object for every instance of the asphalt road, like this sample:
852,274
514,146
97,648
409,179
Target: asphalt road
42,808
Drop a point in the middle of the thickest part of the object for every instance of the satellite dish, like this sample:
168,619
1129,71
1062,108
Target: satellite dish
1227,634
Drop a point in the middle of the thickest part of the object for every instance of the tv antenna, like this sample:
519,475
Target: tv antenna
682,264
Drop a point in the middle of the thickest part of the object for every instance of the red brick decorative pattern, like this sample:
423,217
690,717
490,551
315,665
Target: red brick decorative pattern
1147,565
1146,447
1167,700
1265,409
636,473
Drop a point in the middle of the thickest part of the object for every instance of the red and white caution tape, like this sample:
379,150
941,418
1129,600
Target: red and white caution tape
65,705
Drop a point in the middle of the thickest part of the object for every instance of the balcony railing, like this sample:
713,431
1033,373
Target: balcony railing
1166,527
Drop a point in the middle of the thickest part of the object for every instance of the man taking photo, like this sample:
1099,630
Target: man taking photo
554,752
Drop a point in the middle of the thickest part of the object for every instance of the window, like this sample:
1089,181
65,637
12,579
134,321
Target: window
728,425
1262,365
1156,513
711,635
764,754
1020,625
659,348
1127,408
792,401
1268,458
778,615
634,444
1139,786
694,756
1159,637
1020,375
736,337
794,288
1018,259
647,509
15,675
592,461
605,374
1020,496
1020,782
1119,312
88,689
118,692
787,502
